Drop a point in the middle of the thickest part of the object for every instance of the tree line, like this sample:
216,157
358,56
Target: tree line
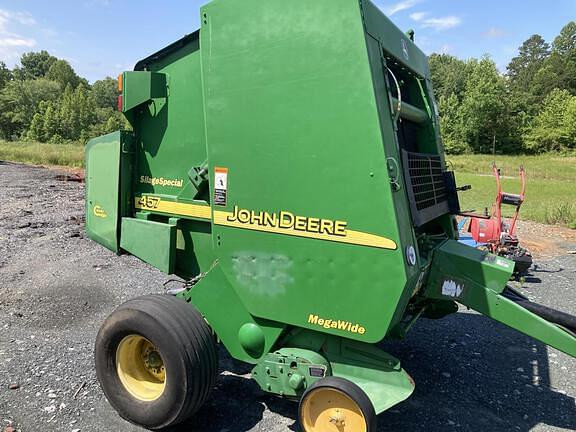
531,108
44,100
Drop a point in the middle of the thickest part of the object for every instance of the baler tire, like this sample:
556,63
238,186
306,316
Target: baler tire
339,387
187,351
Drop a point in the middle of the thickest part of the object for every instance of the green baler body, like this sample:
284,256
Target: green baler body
298,113
268,165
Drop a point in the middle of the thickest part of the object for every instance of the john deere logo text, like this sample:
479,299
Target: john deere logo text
336,324
285,220
99,212
287,223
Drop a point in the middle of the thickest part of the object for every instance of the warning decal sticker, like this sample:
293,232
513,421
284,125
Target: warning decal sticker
220,186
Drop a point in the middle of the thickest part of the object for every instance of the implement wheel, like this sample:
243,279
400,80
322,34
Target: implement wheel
156,360
336,405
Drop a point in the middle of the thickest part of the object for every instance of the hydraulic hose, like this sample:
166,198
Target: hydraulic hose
552,315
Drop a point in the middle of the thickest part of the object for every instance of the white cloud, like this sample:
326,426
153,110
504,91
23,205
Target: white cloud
400,6
16,42
418,16
12,45
443,23
494,32
7,17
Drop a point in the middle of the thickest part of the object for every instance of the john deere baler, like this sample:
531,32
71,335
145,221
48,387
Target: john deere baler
285,162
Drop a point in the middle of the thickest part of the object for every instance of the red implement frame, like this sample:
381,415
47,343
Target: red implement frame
510,199
493,230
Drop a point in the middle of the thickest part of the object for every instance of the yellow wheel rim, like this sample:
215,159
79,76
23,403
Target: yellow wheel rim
330,410
140,368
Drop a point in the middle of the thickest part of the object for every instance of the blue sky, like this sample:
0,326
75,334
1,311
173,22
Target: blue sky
104,37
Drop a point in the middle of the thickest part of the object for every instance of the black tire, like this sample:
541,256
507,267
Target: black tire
187,348
351,390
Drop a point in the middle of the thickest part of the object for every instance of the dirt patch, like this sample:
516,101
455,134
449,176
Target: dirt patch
546,240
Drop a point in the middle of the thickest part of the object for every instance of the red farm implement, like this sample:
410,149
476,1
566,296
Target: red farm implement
496,234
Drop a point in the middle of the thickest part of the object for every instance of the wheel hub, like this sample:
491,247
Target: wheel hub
140,368
330,410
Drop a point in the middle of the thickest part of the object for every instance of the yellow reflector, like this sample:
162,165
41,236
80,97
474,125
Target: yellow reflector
120,83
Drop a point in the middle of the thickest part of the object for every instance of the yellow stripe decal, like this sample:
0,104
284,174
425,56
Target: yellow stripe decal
154,203
350,237
338,234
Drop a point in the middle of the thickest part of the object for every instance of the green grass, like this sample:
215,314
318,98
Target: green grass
550,190
71,155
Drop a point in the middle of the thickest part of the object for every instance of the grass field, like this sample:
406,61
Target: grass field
550,193
71,155
550,190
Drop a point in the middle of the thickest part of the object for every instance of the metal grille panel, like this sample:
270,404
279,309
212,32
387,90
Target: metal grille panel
424,177
427,180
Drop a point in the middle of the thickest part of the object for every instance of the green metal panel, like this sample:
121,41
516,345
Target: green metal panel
170,136
294,118
378,373
476,279
164,104
226,314
152,242
290,371
193,248
461,262
107,186
141,87
395,42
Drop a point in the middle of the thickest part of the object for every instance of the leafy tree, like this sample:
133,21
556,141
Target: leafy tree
37,132
563,58
531,56
19,101
71,118
106,93
523,71
34,65
77,112
483,111
449,75
63,74
554,128
565,42
451,125
5,75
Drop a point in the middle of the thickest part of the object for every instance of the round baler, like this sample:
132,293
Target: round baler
285,164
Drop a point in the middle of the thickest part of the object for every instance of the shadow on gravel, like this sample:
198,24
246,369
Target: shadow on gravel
540,269
236,404
475,374
471,373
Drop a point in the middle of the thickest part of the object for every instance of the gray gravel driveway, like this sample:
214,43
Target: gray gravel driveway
56,287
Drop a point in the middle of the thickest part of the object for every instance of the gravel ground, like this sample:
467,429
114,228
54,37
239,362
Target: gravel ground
56,287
